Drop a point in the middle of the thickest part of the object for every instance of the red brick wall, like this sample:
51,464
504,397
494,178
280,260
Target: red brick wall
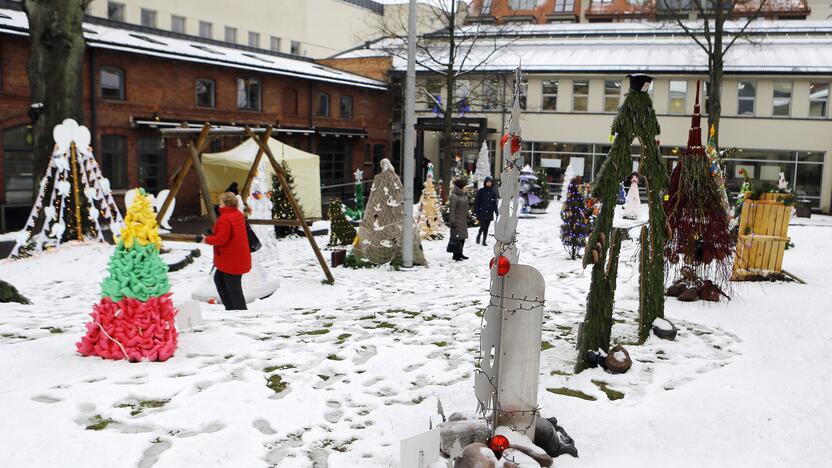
155,86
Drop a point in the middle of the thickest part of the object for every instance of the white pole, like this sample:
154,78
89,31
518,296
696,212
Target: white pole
409,137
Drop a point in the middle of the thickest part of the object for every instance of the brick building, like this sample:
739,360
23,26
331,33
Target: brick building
139,80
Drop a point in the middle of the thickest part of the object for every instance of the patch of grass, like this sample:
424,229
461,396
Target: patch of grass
385,325
611,394
343,337
334,357
479,313
418,399
328,325
323,377
441,344
367,317
544,345
310,311
572,393
354,262
562,275
559,372
99,423
276,383
322,331
137,408
228,356
270,369
53,329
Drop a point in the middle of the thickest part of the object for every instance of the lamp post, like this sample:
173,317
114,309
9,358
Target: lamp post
409,137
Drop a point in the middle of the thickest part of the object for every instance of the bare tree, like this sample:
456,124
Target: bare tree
454,54
711,35
55,70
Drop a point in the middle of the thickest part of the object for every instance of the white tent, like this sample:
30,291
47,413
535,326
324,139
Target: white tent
233,165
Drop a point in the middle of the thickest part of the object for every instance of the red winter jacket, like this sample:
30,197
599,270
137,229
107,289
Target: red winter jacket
230,240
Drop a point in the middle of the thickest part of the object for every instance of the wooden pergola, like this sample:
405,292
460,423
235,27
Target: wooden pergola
199,139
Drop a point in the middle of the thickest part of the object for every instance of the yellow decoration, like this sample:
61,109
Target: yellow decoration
355,241
666,197
712,131
140,223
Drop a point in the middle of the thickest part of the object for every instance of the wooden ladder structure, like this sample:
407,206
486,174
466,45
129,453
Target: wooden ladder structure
197,145
762,238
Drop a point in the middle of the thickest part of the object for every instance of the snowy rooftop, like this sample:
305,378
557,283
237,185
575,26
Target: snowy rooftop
787,47
108,37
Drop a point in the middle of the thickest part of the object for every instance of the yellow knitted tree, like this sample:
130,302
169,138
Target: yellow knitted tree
430,210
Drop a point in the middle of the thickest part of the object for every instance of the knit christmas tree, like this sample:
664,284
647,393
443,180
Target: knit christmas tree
281,208
341,231
632,204
575,226
696,213
483,169
380,232
135,318
358,212
430,210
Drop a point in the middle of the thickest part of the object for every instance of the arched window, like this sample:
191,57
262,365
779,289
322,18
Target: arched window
205,90
323,105
112,83
290,101
346,107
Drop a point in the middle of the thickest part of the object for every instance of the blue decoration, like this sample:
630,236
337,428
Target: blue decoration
622,197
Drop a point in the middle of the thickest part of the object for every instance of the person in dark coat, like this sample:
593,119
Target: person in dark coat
485,208
458,217
232,256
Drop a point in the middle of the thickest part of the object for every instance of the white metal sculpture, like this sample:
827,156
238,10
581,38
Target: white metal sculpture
507,379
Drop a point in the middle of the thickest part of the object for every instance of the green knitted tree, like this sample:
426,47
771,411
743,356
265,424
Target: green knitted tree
281,208
636,119
341,231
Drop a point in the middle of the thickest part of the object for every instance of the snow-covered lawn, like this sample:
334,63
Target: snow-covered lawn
336,376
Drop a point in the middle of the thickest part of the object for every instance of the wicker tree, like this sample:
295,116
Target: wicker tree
636,119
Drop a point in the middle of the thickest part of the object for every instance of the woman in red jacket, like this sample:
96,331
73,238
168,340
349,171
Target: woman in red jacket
232,255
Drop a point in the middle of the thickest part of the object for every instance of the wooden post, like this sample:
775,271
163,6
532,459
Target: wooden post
73,152
183,172
247,185
294,204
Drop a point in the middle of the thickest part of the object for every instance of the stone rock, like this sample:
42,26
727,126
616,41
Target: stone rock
664,329
458,433
710,292
618,360
689,295
456,417
478,455
676,289
553,438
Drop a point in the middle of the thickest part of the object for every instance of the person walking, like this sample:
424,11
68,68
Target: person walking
458,218
232,255
485,207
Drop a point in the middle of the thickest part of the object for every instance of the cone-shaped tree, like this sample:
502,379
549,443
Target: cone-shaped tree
135,318
281,208
575,226
341,231
430,210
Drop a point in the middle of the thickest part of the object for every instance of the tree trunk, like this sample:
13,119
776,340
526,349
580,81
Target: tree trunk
716,63
55,70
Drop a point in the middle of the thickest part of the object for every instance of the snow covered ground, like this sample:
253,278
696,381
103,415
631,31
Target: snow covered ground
357,366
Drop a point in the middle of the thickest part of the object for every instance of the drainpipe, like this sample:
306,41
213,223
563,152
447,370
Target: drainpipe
310,118
93,115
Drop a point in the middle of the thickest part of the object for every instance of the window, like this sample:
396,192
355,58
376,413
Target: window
18,165
148,18
550,95
782,99
177,24
295,48
612,94
580,95
151,164
230,34
818,99
113,156
115,11
205,91
746,94
248,94
522,4
368,154
334,154
322,107
490,94
433,95
254,39
486,7
275,44
678,97
290,101
206,29
346,107
564,6
112,83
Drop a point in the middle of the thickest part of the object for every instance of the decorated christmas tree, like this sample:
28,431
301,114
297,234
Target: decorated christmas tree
80,203
358,212
541,189
430,210
483,168
135,318
380,233
281,208
632,205
696,213
340,229
575,226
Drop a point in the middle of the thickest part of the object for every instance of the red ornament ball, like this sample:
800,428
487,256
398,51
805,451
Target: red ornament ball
503,265
212,301
498,443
